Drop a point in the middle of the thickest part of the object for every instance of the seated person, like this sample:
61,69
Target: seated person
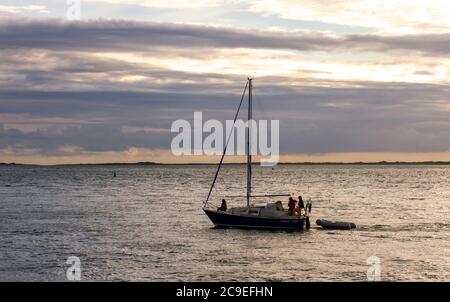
223,207
279,205
291,205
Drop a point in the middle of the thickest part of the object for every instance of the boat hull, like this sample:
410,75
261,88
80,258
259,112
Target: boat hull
224,220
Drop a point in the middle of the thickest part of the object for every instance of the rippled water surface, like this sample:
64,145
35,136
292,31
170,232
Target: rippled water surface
147,223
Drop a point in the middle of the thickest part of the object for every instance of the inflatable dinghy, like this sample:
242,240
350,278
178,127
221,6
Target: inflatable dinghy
335,225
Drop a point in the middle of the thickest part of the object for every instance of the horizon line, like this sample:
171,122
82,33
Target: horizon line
149,163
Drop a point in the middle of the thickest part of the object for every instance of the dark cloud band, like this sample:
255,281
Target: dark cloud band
139,36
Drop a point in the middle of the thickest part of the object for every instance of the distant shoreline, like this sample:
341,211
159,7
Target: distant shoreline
214,164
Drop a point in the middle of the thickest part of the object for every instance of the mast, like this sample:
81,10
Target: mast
249,153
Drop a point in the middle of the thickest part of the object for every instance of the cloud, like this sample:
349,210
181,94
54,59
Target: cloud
404,16
388,16
82,89
139,36
15,9
374,117
172,4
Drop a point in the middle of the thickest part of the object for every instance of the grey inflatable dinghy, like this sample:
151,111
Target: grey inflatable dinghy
335,225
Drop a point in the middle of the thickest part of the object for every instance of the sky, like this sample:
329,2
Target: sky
349,80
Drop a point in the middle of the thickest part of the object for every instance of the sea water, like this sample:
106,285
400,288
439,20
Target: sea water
146,224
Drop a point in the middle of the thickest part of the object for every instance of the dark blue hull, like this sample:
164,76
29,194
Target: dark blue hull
222,219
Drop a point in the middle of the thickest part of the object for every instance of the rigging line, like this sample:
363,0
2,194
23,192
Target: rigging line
216,205
226,145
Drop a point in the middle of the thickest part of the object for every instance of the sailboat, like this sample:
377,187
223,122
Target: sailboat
266,216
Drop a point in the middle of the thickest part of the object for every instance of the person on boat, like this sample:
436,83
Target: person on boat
308,207
291,205
300,205
223,206
279,205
